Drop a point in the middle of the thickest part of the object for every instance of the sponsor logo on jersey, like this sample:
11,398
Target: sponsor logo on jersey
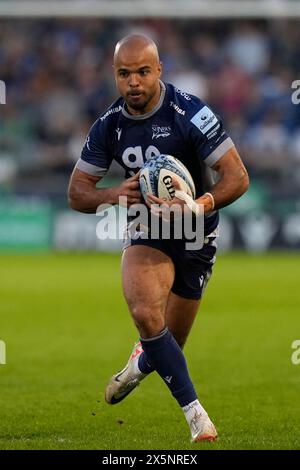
204,120
213,132
183,93
133,157
117,109
158,131
168,378
119,132
179,110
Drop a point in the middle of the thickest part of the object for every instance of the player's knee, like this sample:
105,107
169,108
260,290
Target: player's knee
149,321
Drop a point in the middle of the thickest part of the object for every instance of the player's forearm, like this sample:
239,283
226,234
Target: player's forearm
85,199
227,190
233,182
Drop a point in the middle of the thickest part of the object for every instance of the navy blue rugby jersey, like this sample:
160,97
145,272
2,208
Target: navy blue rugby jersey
180,125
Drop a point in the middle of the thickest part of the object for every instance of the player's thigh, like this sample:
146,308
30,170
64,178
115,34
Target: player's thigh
147,278
180,316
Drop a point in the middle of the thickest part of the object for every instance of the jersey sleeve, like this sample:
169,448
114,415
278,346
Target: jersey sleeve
95,157
209,137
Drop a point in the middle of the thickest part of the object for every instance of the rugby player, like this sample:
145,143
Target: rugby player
163,282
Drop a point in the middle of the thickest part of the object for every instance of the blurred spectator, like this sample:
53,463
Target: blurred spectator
267,145
229,88
248,48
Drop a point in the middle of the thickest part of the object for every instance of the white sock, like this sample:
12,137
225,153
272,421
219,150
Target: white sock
192,409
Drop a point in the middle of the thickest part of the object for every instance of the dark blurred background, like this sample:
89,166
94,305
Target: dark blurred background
59,79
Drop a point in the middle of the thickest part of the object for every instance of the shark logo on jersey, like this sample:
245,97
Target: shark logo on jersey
119,132
204,120
158,131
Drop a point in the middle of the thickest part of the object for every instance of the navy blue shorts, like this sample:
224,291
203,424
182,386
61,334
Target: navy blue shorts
193,268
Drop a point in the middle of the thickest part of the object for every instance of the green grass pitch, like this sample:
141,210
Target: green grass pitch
67,329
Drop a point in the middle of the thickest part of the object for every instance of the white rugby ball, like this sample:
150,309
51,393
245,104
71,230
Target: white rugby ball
156,177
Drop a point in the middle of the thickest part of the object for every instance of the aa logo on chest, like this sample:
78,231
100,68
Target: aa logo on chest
133,157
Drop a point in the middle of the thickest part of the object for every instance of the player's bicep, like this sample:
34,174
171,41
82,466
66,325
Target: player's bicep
80,184
80,177
231,166
96,156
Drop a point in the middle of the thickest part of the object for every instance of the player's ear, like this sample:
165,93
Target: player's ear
160,68
115,73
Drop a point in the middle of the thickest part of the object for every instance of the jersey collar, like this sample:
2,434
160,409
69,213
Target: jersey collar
154,110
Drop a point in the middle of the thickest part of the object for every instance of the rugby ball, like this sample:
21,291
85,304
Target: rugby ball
156,177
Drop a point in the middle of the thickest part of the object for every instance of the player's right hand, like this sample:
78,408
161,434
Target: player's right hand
129,193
